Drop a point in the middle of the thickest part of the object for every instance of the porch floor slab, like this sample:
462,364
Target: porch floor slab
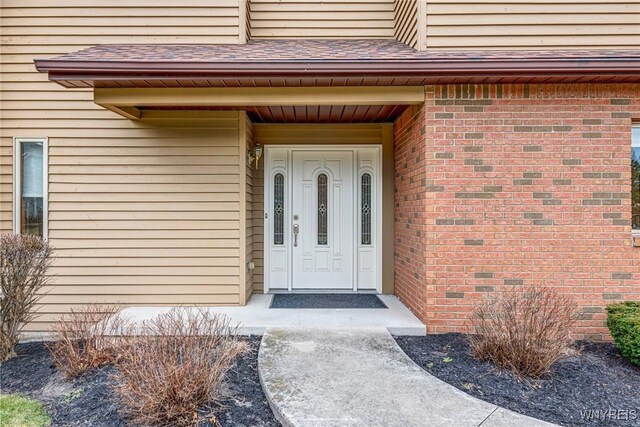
255,317
358,377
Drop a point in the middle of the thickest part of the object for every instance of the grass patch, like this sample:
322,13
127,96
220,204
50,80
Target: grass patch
20,411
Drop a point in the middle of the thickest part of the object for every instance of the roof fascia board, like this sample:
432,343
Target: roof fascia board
396,67
259,96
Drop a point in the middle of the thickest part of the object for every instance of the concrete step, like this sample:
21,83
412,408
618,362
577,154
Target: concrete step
255,317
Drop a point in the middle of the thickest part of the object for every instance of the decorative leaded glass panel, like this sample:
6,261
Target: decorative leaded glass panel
322,209
278,209
365,207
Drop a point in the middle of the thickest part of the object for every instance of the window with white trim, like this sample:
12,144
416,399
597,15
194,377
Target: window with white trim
30,186
635,178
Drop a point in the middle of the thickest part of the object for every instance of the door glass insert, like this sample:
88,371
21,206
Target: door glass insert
322,209
278,209
365,207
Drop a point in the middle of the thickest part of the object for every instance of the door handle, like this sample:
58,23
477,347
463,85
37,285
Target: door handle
296,229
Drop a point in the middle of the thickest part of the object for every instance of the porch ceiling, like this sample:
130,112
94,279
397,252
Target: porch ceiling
312,80
305,113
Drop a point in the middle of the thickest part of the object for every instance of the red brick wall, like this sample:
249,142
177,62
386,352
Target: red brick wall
410,213
500,185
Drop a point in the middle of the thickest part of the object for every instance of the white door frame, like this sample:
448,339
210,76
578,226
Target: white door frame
268,233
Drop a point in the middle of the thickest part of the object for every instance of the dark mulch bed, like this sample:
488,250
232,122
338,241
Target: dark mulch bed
599,379
88,400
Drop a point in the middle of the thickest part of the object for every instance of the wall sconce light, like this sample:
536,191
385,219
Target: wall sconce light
254,154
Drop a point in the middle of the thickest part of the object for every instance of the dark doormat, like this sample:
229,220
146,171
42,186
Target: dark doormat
326,301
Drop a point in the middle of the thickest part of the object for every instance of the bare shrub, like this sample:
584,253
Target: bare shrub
24,262
174,366
87,338
524,330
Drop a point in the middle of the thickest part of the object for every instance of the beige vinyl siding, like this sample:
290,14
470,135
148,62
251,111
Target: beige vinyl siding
249,205
245,11
406,22
352,134
272,19
258,222
147,218
365,133
141,213
91,22
520,24
6,183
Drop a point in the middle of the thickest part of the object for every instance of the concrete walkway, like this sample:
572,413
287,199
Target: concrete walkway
256,316
360,377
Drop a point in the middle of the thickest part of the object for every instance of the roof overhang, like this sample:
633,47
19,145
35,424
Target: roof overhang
75,73
307,62
278,73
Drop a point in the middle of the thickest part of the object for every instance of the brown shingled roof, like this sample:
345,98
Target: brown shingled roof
342,58
368,50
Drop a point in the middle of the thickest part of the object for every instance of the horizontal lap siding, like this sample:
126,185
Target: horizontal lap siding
406,22
143,213
6,183
146,220
272,19
519,24
318,133
258,224
90,22
250,173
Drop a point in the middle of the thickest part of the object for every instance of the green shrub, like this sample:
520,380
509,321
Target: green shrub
623,320
19,411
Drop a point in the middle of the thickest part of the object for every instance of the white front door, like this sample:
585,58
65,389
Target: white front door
323,219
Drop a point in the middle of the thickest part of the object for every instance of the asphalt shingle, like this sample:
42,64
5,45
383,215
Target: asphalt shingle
345,50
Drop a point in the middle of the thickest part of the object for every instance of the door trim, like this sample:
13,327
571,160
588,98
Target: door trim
268,234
